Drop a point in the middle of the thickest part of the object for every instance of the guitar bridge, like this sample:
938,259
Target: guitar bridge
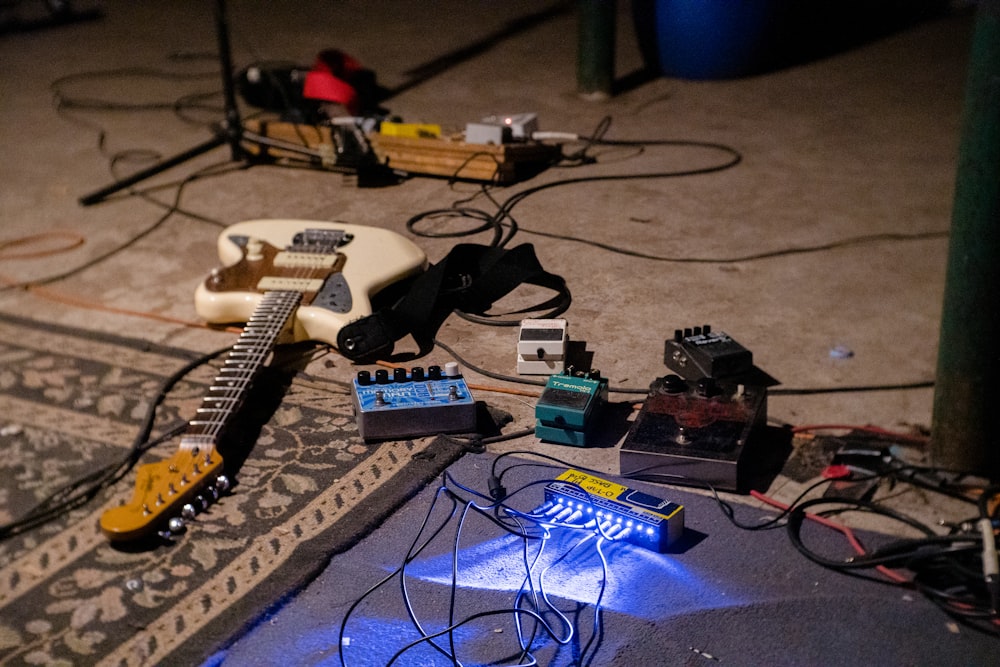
323,238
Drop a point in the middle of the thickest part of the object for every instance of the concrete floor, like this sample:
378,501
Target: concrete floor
860,143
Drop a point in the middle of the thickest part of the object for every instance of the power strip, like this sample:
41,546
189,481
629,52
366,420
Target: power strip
617,511
406,405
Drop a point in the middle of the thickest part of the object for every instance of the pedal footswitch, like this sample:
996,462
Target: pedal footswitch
391,406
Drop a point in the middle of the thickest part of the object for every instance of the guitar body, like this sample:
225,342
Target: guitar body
374,258
289,281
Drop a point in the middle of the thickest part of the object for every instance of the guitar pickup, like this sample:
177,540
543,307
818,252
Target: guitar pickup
274,283
307,260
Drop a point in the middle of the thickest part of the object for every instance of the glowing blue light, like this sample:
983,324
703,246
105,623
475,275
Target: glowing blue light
649,531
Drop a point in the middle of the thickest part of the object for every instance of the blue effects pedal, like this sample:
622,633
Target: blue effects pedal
618,512
566,411
395,405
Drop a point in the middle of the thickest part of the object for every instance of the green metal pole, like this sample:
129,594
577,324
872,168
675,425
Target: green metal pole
595,64
965,429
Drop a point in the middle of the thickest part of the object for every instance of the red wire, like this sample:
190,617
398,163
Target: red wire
846,531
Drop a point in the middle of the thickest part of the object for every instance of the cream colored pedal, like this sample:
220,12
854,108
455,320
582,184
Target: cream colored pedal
541,346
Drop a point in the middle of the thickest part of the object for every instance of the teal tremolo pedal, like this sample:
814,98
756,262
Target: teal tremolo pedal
397,405
567,409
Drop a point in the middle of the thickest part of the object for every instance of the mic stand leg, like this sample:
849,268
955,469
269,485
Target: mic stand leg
231,133
128,181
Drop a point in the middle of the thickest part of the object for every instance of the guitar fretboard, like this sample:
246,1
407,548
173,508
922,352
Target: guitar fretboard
241,367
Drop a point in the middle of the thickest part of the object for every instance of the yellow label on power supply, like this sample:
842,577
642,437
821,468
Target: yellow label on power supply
638,500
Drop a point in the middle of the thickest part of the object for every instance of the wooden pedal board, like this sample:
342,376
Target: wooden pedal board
503,164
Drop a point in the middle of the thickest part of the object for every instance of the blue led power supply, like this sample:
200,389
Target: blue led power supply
615,511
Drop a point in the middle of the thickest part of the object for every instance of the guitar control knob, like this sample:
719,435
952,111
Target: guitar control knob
381,376
417,374
255,250
434,372
399,375
364,378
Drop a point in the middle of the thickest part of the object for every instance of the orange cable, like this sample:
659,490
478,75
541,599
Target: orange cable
66,299
74,240
851,427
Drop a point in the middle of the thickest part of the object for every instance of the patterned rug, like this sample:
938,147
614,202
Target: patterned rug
70,401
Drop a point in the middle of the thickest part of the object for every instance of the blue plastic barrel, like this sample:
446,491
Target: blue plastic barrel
713,39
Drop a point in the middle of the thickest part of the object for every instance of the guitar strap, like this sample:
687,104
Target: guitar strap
470,279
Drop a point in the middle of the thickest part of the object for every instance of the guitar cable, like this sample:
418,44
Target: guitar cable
82,490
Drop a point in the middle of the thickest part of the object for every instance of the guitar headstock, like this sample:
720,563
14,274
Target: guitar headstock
167,493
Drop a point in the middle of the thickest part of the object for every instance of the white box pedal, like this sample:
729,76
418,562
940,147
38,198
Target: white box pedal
541,346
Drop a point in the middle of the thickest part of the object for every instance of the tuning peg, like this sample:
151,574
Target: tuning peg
188,511
176,525
222,483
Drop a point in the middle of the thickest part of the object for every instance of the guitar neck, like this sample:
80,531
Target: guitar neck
241,366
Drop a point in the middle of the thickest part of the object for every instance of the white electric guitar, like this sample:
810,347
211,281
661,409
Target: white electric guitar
289,281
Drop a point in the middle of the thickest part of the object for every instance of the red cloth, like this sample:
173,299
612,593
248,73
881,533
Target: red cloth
329,80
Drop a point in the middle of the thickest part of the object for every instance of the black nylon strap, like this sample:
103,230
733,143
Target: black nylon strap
470,279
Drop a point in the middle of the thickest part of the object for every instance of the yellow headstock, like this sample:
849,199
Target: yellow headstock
167,492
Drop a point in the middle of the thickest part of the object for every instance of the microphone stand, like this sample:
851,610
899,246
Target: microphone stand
230,133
